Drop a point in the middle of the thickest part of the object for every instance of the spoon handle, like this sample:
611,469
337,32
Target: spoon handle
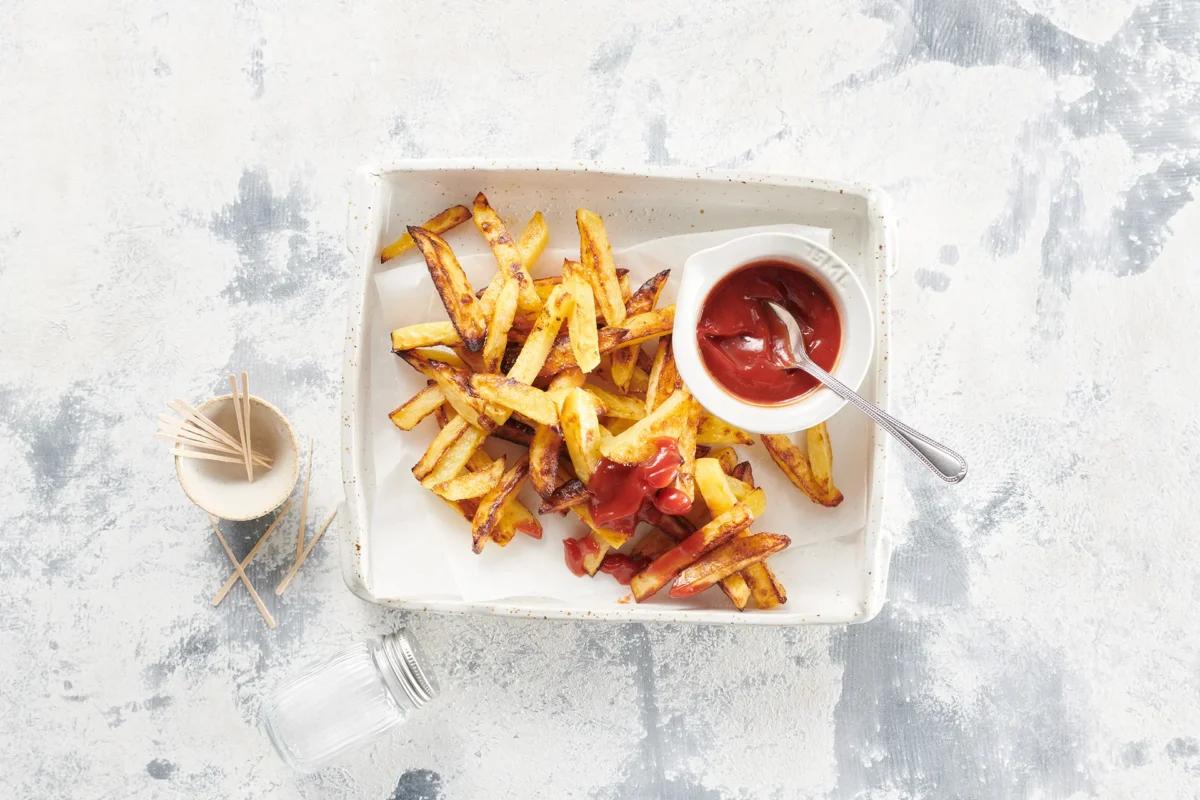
949,465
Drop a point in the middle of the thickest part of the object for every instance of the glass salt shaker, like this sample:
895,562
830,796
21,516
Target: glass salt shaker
338,704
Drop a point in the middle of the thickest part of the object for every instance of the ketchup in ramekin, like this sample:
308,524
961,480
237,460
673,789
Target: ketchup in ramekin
742,342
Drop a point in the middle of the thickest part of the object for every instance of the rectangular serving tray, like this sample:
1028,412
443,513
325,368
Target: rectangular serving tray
837,581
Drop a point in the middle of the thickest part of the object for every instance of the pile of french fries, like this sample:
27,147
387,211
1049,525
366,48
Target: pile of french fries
557,365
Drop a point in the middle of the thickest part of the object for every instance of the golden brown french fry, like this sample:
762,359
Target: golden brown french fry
418,407
714,432
447,436
637,443
727,560
664,377
455,387
500,323
727,458
685,480
624,359
488,515
616,405
632,331
541,340
515,518
792,461
543,459
766,589
533,241
581,431
471,484
455,457
571,493
439,223
719,530
595,253
711,480
446,357
453,287
585,346
820,458
512,394
424,334
508,255
514,431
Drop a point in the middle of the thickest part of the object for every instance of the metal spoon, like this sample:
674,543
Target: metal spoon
949,465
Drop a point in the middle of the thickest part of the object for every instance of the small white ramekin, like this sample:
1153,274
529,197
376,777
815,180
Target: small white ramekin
704,269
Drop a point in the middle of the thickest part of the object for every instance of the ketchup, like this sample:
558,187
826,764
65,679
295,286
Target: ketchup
576,550
622,567
618,490
743,344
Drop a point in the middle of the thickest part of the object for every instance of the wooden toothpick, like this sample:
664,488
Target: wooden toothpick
203,421
262,540
241,573
287,579
237,412
246,415
304,505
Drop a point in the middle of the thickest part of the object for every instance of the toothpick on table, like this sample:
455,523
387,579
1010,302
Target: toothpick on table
237,412
287,579
246,414
241,573
304,505
262,540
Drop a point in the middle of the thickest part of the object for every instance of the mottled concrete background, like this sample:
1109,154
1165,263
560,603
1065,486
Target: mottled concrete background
174,182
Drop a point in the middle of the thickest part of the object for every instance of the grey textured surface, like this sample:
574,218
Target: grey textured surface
173,207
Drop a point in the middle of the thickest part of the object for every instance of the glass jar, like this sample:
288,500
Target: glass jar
340,703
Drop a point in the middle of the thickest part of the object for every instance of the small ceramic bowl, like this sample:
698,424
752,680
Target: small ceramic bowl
221,488
704,269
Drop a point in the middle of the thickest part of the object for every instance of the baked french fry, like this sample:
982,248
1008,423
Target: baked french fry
571,493
444,356
685,480
453,287
500,323
541,339
663,379
424,334
581,431
418,407
515,518
533,241
471,484
488,514
455,457
715,432
726,457
455,387
607,536
439,223
820,458
585,346
726,560
516,396
616,425
616,405
447,436
595,253
637,443
711,481
792,461
506,251
624,359
634,330
719,530
543,459
513,431
652,544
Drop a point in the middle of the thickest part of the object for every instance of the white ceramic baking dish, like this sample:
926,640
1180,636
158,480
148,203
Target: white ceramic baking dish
835,581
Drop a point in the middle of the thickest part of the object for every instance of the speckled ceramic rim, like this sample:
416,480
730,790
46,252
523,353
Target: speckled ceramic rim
704,269
364,229
269,502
